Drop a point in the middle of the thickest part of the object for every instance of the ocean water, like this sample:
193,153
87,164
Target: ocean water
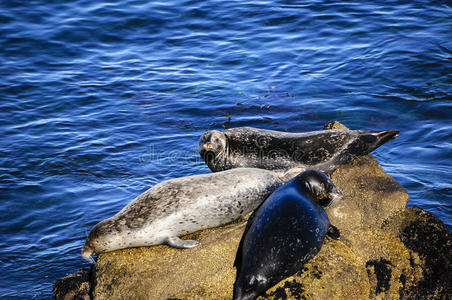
101,100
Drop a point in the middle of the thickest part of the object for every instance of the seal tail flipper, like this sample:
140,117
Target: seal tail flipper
378,138
333,232
176,242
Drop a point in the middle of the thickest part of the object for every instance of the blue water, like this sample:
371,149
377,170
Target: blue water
99,101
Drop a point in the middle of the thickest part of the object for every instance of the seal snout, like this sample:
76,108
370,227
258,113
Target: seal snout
335,195
207,147
87,251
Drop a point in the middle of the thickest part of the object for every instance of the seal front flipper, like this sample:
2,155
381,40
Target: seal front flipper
333,232
176,242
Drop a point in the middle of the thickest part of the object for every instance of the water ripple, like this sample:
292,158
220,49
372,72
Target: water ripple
102,100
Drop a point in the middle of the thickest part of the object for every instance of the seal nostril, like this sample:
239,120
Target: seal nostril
208,147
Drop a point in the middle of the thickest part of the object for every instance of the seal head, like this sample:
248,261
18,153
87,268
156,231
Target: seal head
319,187
284,233
101,239
213,146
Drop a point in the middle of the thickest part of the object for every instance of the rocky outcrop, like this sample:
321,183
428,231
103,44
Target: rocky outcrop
370,195
162,272
75,286
386,251
423,234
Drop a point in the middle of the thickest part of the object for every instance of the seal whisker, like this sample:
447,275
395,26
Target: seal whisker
90,259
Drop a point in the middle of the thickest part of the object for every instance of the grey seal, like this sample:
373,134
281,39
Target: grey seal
323,150
284,233
184,205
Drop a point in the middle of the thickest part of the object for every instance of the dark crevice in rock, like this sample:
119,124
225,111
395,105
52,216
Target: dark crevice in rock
279,293
383,273
402,279
92,281
295,289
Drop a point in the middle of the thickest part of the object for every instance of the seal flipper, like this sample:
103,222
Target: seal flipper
176,242
333,232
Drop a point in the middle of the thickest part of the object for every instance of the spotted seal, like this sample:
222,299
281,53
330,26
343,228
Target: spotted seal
183,205
284,233
323,150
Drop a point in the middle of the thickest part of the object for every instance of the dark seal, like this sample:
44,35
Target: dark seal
323,150
284,233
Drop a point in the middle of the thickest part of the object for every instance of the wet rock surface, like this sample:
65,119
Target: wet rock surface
386,251
75,286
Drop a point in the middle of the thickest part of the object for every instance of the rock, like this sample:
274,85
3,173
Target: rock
370,195
422,233
333,273
334,125
161,272
206,271
388,262
74,286
386,251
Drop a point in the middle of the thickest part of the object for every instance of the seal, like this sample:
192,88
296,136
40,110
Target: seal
184,205
323,150
284,233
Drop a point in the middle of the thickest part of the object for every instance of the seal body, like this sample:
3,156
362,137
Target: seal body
284,233
184,205
323,150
